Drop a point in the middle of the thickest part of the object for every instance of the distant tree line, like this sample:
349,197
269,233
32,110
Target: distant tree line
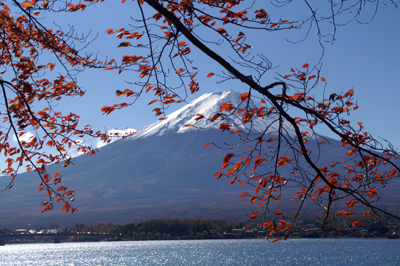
166,229
163,229
171,229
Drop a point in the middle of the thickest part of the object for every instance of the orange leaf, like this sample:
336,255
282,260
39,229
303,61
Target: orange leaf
236,131
180,70
244,96
110,31
276,239
279,213
273,25
210,75
27,4
333,164
108,68
323,79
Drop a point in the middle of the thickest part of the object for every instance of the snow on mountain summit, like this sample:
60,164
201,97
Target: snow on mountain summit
207,105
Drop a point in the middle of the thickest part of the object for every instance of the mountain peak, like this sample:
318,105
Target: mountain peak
208,105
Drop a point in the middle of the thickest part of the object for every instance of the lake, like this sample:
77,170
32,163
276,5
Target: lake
207,252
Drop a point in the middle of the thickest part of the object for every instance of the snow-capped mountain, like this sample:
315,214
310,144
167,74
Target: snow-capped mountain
159,172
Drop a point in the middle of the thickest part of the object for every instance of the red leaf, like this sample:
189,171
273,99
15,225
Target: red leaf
218,175
124,44
224,126
226,160
279,213
221,30
110,31
206,145
153,101
244,194
210,75
62,188
305,65
215,117
244,96
355,223
368,213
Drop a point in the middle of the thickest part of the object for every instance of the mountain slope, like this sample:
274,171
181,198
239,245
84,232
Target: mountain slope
160,172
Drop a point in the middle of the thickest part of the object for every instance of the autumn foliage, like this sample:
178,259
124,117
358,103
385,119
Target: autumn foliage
159,48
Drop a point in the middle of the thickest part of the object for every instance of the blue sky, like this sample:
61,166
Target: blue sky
365,58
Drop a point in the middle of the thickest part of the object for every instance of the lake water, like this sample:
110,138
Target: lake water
207,252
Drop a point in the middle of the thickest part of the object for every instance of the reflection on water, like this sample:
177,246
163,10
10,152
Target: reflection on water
207,252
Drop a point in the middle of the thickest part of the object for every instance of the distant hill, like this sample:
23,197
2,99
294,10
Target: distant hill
160,172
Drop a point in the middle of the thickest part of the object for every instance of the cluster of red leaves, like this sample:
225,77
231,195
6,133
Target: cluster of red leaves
24,40
360,180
